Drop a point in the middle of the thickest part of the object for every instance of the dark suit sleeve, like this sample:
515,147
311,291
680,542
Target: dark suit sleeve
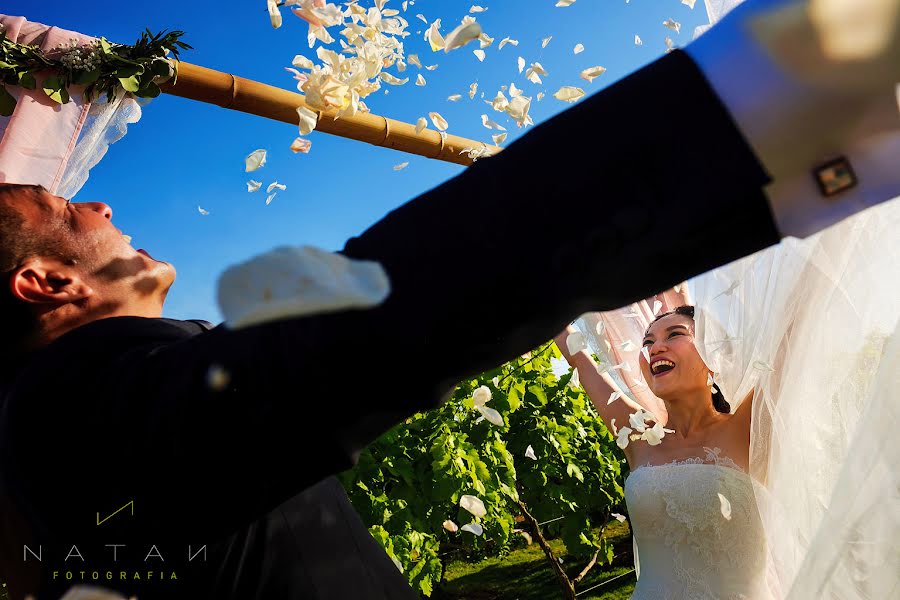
631,191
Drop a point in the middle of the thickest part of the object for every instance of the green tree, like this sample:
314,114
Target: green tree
408,485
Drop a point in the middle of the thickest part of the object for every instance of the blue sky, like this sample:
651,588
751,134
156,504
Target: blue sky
183,153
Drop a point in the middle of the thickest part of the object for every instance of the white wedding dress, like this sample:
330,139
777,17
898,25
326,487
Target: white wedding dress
694,544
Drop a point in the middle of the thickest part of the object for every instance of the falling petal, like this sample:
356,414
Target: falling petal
301,62
506,41
439,122
521,62
454,97
203,212
569,94
450,526
473,528
391,79
499,138
477,9
461,36
529,453
252,185
481,396
255,160
546,41
413,59
646,352
431,67
401,166
421,124
627,346
564,3
307,120
433,36
575,343
491,124
491,415
673,25
127,238
690,3
622,437
274,13
473,89
656,306
638,41
485,40
420,81
592,73
725,507
275,185
473,504
301,146
479,54
613,397
270,197
618,517
579,48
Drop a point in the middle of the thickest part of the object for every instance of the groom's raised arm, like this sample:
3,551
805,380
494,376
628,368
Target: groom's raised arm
633,190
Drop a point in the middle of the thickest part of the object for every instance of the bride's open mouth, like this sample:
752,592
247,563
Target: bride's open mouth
661,368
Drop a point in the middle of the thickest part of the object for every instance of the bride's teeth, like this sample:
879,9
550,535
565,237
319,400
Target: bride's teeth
127,238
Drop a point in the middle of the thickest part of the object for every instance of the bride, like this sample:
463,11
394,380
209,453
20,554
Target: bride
756,406
689,496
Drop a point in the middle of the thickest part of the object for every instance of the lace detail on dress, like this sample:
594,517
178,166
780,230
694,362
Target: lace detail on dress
693,544
712,458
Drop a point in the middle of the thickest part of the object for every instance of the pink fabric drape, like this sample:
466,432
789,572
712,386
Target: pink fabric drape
39,137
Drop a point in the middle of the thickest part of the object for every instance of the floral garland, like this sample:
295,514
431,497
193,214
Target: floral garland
101,67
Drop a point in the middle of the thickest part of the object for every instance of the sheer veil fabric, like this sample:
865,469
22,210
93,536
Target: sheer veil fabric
811,326
57,145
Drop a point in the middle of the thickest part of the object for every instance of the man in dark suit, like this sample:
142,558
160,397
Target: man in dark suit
110,410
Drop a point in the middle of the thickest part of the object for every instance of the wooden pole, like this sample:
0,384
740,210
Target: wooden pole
246,95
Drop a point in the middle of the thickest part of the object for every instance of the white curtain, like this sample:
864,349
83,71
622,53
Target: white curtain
57,145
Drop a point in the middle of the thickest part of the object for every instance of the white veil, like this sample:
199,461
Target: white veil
811,326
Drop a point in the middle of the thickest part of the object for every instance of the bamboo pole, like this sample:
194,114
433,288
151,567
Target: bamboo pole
245,95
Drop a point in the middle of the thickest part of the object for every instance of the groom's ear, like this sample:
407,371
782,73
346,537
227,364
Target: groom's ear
48,282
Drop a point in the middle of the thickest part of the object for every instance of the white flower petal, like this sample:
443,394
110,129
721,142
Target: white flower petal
420,81
275,185
473,89
301,145
401,166
461,36
592,73
270,197
481,396
673,25
491,415
656,306
506,41
568,93
391,79
450,526
491,124
575,342
579,48
564,3
202,211
479,54
622,437
725,507
290,282
252,185
521,63
618,517
529,453
477,9
473,504
613,397
255,160
499,138
628,346
307,120
638,41
439,122
690,3
473,528
546,41
454,97
421,124
433,36
274,13
413,59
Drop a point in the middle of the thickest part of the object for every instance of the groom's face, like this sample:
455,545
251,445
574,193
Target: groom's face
672,339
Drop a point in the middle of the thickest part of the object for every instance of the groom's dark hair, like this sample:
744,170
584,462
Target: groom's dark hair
718,398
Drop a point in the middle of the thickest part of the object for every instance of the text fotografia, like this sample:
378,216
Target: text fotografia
114,576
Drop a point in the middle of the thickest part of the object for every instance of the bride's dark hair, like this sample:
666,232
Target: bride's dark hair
718,399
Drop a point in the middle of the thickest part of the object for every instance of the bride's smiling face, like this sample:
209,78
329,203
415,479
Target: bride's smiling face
670,363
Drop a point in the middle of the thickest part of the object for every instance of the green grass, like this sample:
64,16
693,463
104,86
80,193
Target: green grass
525,574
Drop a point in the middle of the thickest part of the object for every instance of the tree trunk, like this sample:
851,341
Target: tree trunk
563,579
